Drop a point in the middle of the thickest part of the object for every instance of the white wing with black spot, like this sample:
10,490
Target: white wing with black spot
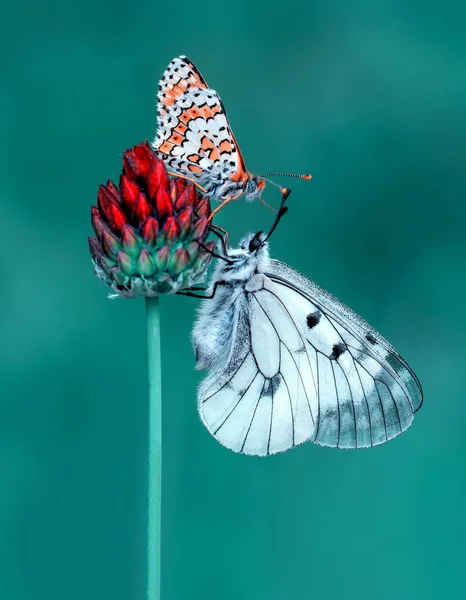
367,393
305,367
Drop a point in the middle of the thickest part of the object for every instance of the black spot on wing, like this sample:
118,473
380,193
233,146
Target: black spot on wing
271,386
370,338
338,350
313,319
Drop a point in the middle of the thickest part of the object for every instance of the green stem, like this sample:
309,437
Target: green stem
154,520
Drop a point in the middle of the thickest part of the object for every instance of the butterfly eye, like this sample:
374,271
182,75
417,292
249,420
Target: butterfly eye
256,242
251,187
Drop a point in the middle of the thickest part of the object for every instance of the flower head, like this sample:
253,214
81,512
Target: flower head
151,230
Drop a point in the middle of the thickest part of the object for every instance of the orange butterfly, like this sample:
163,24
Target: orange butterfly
195,140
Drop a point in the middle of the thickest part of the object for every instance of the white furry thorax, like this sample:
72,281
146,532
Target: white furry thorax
244,263
217,318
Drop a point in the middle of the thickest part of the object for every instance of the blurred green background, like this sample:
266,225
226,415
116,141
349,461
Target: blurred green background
368,97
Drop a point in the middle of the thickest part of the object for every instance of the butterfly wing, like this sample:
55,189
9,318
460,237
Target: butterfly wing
263,398
194,136
302,366
367,393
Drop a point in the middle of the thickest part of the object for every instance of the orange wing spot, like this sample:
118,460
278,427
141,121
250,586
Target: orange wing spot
211,151
206,144
194,158
184,117
176,139
181,128
173,95
194,112
169,100
209,112
216,109
195,168
214,155
166,148
225,146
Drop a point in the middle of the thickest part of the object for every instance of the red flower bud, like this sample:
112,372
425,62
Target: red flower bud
125,263
130,242
113,191
150,232
177,185
187,197
138,161
129,192
158,179
149,229
163,204
110,243
142,208
97,223
104,200
199,228
185,219
171,230
203,208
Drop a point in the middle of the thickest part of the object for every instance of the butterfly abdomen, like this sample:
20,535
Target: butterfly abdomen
215,327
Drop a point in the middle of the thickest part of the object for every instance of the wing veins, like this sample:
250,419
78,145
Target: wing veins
390,371
338,403
303,338
289,351
228,380
254,414
271,421
345,325
291,406
351,394
232,410
365,397
394,403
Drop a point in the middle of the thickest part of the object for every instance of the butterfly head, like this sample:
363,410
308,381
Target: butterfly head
254,187
252,256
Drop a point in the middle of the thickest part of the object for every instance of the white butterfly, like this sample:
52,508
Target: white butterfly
289,363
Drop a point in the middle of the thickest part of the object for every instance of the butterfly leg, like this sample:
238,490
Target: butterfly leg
222,234
224,203
190,294
267,205
214,254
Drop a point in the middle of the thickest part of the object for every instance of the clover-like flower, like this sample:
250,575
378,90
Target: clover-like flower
151,230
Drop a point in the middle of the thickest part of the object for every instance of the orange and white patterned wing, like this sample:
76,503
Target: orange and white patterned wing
194,137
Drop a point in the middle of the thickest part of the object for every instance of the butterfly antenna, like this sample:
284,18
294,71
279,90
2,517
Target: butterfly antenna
282,209
307,176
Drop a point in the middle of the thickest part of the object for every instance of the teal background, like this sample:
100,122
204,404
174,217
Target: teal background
370,98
